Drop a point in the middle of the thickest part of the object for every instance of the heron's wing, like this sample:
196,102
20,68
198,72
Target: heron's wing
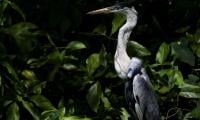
145,98
140,91
138,111
129,93
146,77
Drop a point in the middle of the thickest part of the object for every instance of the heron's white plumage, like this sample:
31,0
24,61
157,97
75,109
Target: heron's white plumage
122,60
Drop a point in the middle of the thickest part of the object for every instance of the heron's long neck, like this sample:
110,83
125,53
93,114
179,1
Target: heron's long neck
124,33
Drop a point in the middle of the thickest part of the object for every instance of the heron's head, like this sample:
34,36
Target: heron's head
117,8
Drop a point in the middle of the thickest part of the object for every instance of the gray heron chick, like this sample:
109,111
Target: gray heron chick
139,92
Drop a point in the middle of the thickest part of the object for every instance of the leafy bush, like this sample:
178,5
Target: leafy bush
57,63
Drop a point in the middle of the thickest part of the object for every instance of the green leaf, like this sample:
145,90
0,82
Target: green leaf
187,116
125,115
93,62
31,109
16,7
12,112
10,69
50,115
174,76
194,41
42,102
76,118
190,88
3,6
193,78
76,45
162,53
117,22
69,66
61,103
21,29
55,57
164,89
196,112
2,49
37,87
136,49
183,53
106,102
183,29
24,36
93,96
179,78
190,95
28,74
100,29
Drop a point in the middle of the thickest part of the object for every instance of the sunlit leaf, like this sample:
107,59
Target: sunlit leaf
125,115
190,88
93,62
117,22
162,53
76,45
50,115
136,49
183,53
93,96
28,74
189,94
12,112
164,90
76,118
31,109
174,76
69,67
179,78
106,102
42,102
62,112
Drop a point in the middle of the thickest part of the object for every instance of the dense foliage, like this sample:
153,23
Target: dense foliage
56,62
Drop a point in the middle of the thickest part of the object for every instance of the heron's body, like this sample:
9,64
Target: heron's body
139,91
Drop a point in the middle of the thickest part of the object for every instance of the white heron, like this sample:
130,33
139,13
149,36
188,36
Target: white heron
139,92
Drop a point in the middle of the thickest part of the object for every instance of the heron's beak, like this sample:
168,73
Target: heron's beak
101,11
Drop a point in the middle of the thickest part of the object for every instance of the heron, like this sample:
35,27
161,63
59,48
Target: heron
139,92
